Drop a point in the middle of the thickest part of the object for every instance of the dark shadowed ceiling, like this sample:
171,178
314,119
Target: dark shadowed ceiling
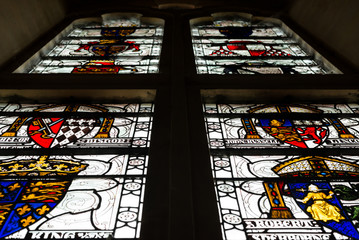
78,6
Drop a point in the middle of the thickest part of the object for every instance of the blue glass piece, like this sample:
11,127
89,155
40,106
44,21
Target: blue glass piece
236,32
346,227
11,225
10,194
266,122
23,215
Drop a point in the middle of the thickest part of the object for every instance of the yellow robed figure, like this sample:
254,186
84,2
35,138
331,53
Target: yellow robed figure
320,209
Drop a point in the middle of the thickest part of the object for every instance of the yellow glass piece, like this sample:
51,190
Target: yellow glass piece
61,166
3,216
42,210
9,134
5,207
43,166
16,166
285,134
105,128
250,136
348,135
320,209
22,210
50,184
40,198
27,221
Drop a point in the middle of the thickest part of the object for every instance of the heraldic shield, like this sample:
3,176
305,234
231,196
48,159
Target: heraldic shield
320,200
26,197
57,132
299,133
24,202
113,43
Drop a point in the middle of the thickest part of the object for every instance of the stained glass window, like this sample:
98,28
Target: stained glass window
282,126
116,44
73,170
243,44
272,178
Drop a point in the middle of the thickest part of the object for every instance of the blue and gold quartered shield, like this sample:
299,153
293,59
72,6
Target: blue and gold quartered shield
24,202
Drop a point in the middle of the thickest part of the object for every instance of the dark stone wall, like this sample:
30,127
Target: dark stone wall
24,21
334,23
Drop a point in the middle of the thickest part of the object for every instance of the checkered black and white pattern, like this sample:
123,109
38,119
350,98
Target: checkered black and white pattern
72,130
274,52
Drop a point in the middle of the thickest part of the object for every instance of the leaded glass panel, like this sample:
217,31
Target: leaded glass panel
75,131
115,44
86,196
77,108
282,126
239,44
263,194
287,197
249,218
98,194
276,108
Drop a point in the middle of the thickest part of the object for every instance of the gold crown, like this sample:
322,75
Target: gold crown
41,167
